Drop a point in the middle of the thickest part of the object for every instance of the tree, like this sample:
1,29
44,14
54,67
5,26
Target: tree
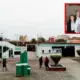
41,39
78,51
1,39
61,40
33,40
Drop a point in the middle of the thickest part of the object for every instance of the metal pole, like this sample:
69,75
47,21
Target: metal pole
17,38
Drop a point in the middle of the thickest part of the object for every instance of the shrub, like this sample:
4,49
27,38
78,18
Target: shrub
61,40
78,51
55,58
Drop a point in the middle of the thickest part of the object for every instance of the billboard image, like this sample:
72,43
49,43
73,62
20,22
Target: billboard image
72,18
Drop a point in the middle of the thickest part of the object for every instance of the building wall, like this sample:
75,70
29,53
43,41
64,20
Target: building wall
46,51
16,56
31,55
47,47
6,54
19,49
7,44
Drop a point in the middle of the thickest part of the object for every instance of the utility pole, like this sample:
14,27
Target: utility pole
37,39
17,35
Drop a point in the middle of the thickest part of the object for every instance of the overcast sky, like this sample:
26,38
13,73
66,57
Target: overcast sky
32,17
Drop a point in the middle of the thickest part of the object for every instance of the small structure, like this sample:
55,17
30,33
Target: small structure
51,39
56,58
6,49
9,50
22,67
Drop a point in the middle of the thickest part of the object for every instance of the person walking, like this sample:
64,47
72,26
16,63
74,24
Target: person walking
40,61
46,62
4,64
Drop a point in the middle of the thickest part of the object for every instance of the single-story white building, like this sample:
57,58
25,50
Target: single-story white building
36,50
67,50
9,50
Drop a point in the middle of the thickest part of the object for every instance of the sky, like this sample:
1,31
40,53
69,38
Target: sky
32,17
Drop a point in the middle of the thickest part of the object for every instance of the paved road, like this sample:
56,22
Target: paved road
73,68
72,72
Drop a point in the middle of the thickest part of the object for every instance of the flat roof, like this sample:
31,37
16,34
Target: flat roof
59,44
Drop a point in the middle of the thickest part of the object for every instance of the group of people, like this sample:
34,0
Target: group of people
73,24
46,62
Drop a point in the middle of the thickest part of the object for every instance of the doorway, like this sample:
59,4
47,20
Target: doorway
68,51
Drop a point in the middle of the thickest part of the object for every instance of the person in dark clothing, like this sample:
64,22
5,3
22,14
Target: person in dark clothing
4,64
46,62
40,61
71,24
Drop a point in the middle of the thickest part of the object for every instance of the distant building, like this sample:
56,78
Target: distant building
74,40
51,39
66,37
22,38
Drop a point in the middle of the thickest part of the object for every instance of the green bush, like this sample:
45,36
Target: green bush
61,40
55,58
78,51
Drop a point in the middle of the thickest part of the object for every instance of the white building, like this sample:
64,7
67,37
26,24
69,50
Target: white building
67,50
36,50
9,50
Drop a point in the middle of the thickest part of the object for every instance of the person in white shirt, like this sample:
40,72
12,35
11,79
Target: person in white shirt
77,21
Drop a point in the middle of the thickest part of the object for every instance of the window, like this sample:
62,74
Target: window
31,48
10,53
0,48
1,39
57,50
42,51
17,53
49,51
5,49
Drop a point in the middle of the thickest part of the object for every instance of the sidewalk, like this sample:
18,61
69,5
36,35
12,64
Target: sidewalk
73,67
